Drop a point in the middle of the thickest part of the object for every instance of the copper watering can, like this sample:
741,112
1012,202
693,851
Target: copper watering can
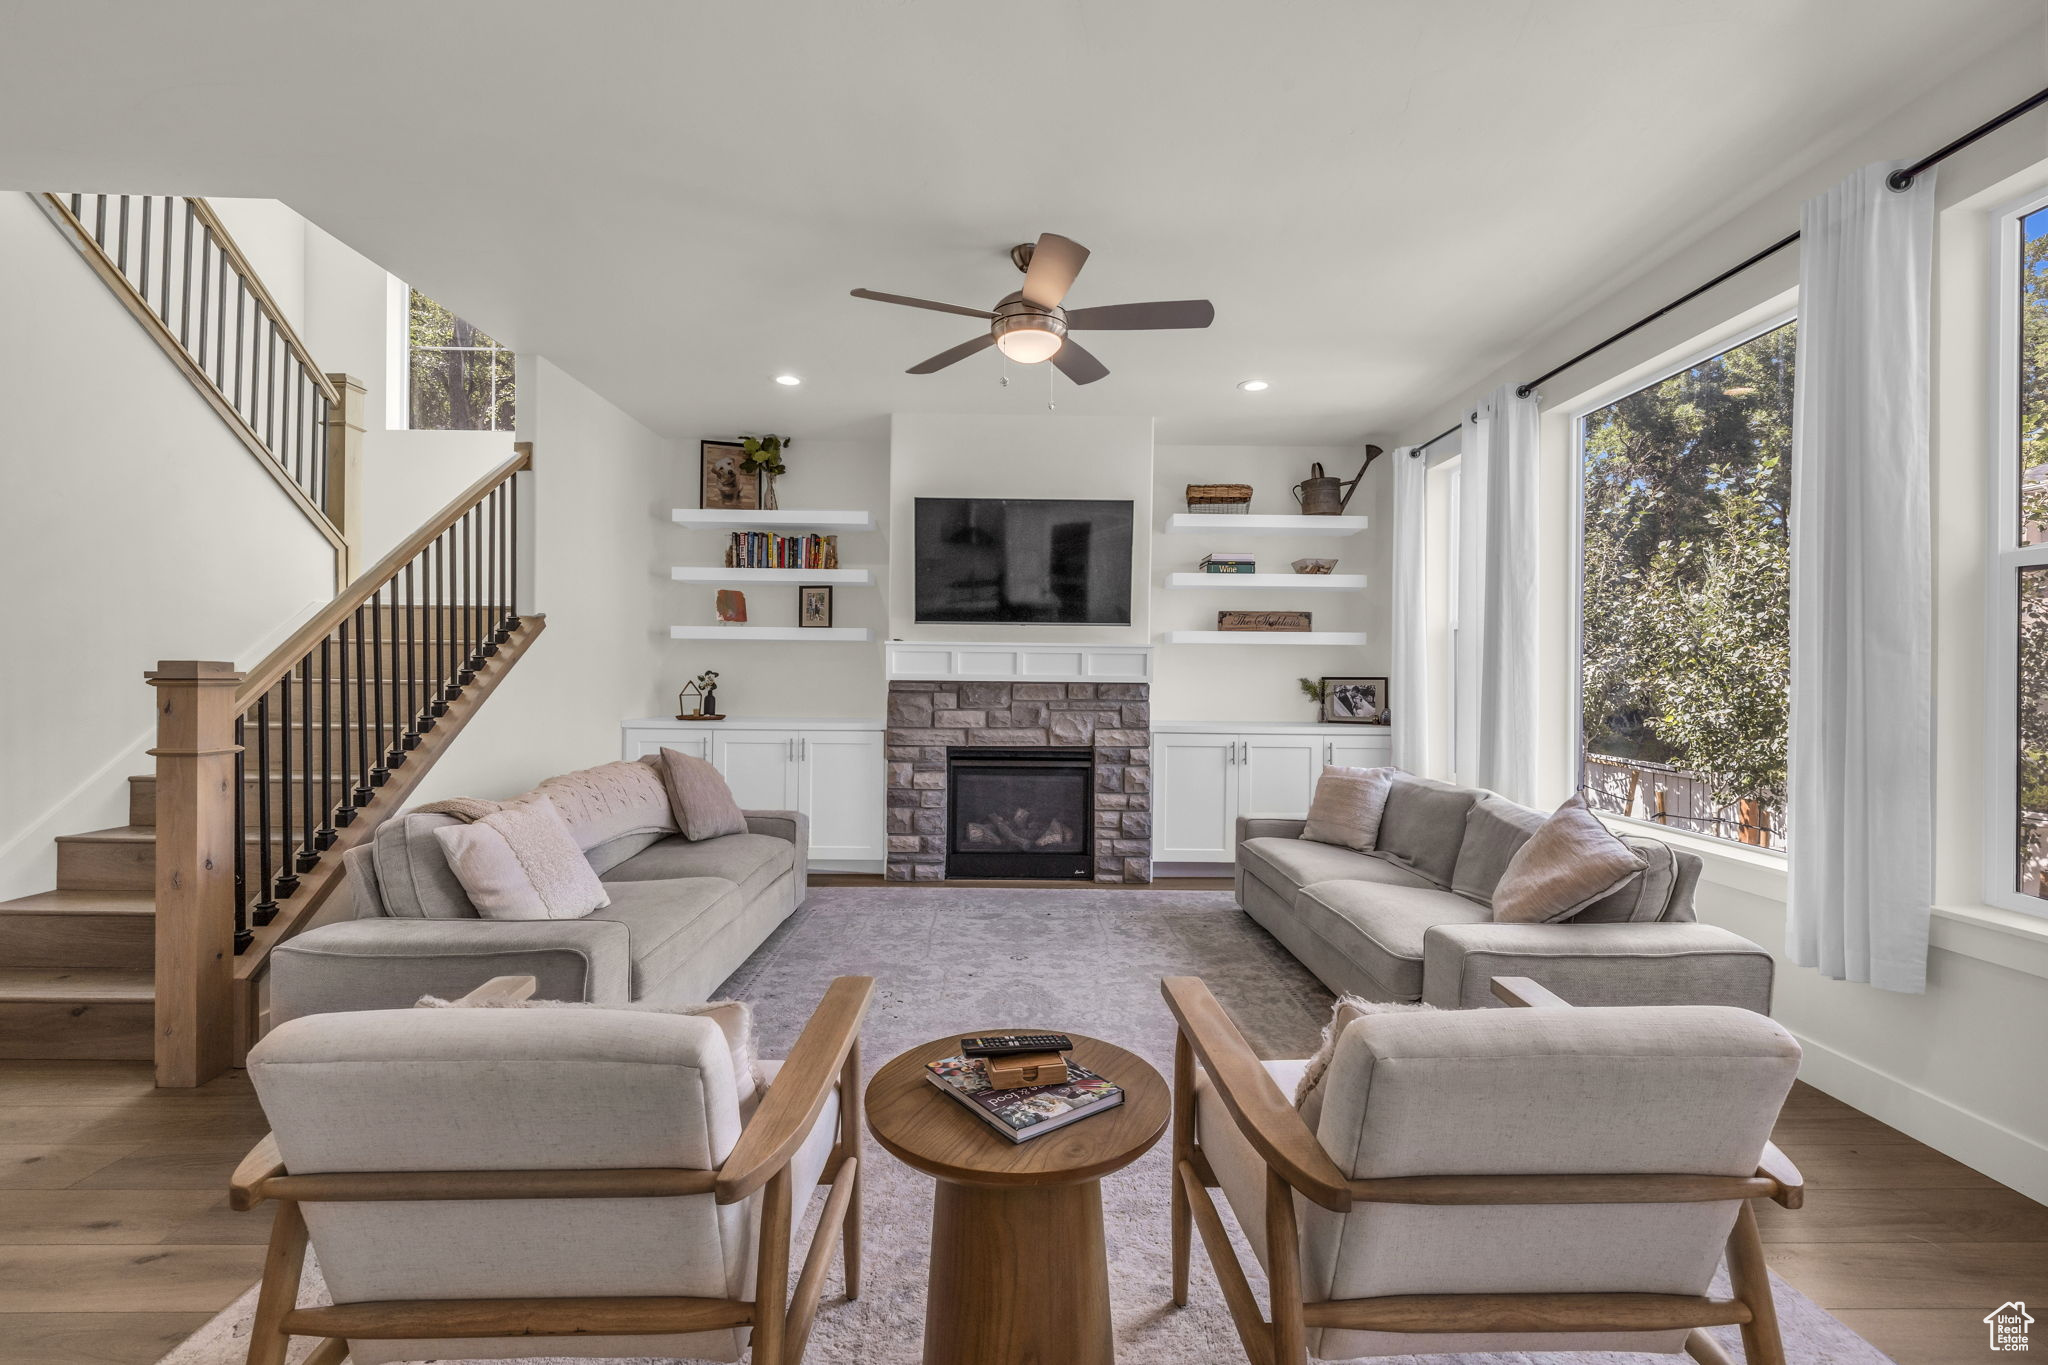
1323,496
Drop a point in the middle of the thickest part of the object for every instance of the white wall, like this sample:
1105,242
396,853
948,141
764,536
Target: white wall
601,498
782,679
133,527
1958,1067
1259,682
953,455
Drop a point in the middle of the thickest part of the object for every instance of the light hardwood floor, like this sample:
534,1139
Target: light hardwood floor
116,1240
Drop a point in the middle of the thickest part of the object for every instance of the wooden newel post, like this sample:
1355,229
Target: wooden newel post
195,869
344,472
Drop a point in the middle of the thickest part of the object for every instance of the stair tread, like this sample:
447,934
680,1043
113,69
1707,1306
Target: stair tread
82,903
76,985
116,834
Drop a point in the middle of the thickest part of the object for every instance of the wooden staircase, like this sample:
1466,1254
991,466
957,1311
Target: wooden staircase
374,688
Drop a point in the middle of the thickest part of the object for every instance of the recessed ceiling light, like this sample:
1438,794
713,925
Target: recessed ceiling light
1255,386
788,380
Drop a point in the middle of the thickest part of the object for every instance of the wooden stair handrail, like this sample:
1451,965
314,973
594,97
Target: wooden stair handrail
285,657
261,295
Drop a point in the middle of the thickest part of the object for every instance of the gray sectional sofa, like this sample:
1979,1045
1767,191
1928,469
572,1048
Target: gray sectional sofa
1412,920
682,917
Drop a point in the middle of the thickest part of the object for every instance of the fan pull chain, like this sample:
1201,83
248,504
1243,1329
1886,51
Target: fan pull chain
1050,406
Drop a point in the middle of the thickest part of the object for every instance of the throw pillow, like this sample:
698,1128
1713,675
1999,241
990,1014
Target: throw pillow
697,793
1308,1095
1347,806
735,1019
1572,861
521,862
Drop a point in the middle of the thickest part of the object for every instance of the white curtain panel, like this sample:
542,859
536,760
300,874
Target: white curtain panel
1408,683
1496,699
1861,822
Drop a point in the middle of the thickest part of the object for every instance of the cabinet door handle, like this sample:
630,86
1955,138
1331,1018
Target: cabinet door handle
1244,751
1329,751
1233,753
803,748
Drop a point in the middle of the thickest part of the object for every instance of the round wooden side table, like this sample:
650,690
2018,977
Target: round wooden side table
1018,1274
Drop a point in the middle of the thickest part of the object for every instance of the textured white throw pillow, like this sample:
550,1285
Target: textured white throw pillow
1347,807
1308,1095
1568,863
521,862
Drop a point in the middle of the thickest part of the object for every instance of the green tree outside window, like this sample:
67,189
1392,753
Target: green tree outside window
458,379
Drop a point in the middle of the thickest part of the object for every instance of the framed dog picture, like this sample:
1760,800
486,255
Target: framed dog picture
1355,701
814,605
723,485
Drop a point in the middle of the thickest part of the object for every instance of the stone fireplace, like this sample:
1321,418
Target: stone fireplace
934,727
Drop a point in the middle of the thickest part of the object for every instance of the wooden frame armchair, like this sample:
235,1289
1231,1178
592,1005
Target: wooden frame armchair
1270,1132
826,1055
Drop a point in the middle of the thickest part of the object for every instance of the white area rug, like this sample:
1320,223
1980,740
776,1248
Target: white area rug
949,961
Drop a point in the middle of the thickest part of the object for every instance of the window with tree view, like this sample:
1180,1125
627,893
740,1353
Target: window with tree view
458,379
1686,604
2027,557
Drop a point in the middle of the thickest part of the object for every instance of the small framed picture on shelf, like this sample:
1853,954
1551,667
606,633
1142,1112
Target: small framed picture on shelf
724,486
814,605
1355,701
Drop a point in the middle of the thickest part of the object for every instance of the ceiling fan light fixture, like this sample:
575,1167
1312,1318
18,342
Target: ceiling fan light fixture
1029,338
1254,385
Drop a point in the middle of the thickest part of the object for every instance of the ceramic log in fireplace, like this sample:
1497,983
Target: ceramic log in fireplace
1020,813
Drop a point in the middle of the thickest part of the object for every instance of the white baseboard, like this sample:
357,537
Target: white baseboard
1980,1143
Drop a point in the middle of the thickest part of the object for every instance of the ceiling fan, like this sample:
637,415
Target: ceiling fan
1030,326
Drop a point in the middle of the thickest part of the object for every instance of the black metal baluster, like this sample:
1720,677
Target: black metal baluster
409,683
185,281
163,279
142,256
364,788
241,345
512,560
121,254
444,624
309,847
243,938
325,835
269,385
496,617
471,659
78,208
345,797
380,603
320,408
220,327
265,908
205,289
99,220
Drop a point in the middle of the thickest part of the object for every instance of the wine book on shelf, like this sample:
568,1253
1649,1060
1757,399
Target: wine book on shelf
1023,1114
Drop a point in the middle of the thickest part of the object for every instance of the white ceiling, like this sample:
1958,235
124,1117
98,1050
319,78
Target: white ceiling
1384,198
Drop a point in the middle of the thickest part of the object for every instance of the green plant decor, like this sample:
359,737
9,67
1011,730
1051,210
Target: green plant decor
1313,690
764,457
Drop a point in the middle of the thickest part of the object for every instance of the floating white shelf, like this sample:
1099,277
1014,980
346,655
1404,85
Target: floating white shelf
713,519
707,573
1226,525
1306,582
815,635
1264,637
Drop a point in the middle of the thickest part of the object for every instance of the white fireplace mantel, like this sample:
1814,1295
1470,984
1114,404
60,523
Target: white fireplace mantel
942,661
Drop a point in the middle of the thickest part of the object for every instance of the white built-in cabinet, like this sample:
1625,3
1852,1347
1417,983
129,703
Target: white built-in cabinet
831,771
1203,779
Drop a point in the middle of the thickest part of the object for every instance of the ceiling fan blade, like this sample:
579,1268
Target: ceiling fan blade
1055,260
1143,317
1077,364
958,353
908,302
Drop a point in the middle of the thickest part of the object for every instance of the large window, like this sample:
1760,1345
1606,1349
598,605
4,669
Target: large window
2019,645
1685,603
457,379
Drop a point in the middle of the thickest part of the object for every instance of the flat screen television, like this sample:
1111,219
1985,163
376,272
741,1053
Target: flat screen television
1023,561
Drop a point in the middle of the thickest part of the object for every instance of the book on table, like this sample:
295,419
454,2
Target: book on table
1025,1113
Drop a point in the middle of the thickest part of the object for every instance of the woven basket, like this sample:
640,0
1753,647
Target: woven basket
1219,497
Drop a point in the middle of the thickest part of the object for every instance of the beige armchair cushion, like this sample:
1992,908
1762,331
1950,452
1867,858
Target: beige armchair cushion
1565,866
1347,806
521,862
1308,1092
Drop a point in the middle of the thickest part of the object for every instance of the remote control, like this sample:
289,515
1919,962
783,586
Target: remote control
1006,1044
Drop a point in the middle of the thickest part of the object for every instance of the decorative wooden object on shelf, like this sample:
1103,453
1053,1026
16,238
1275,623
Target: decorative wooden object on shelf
732,606
1263,620
1019,1273
1219,497
1314,566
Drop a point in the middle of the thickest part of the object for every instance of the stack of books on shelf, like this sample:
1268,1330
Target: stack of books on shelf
1220,562
766,550
1027,1111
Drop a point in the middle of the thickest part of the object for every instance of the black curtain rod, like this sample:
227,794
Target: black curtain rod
1898,180
1417,450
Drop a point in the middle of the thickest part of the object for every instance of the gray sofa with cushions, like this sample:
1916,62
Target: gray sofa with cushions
1413,920
682,917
